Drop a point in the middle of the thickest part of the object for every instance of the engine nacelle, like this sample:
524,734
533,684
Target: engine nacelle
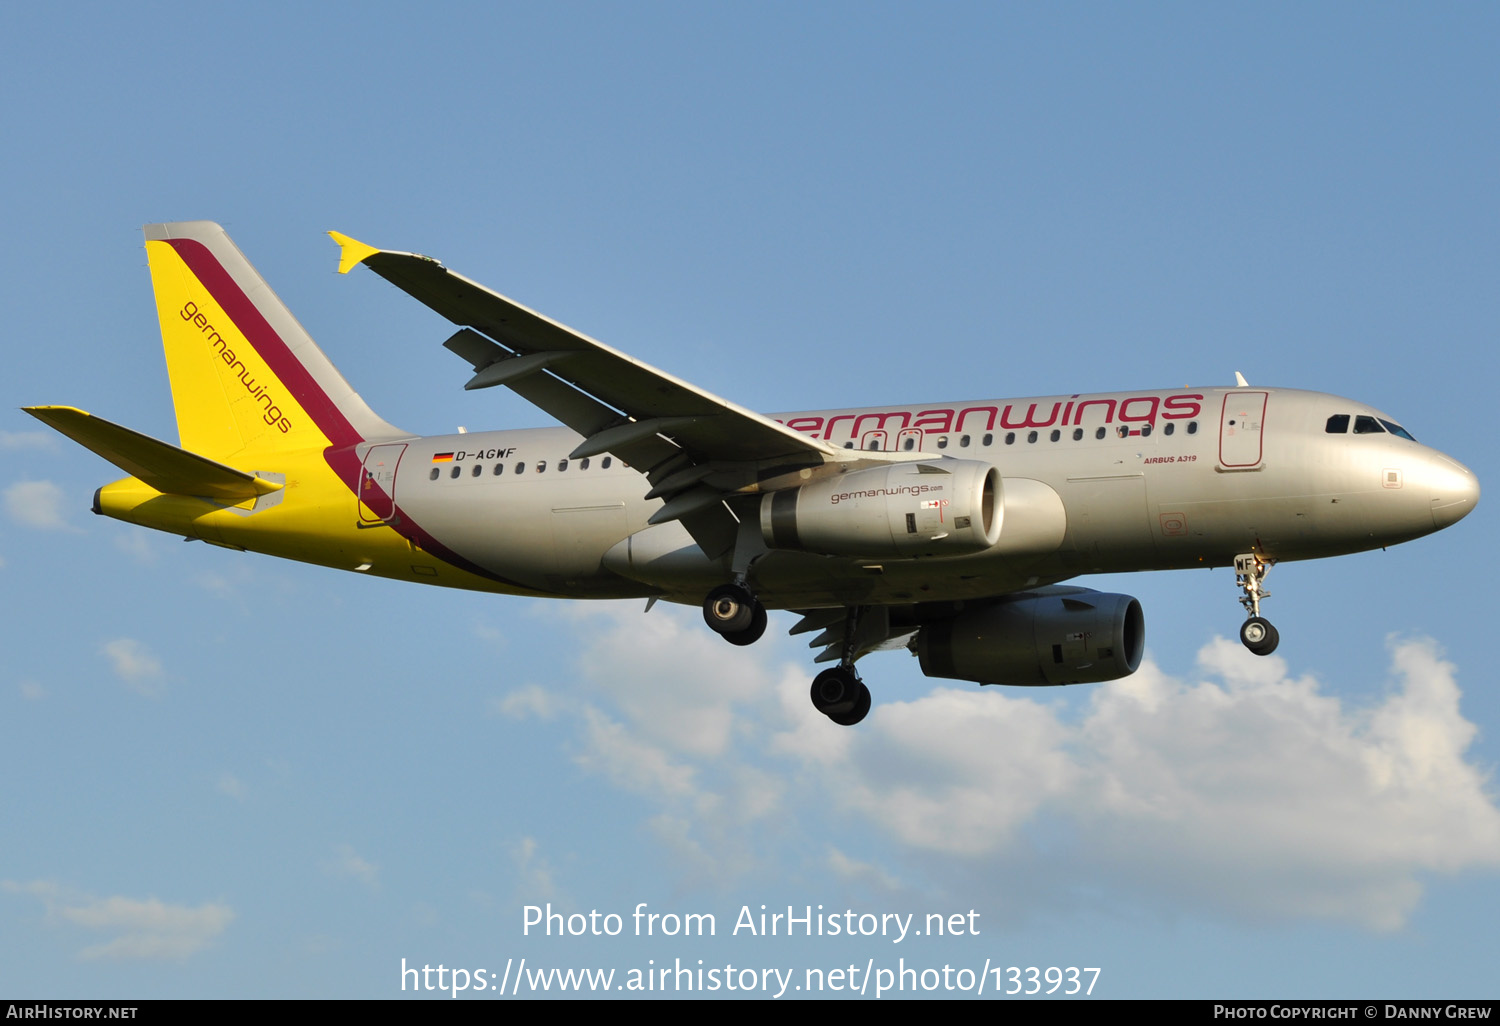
1051,636
938,507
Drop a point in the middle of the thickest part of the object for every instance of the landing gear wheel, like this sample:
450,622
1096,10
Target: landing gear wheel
730,609
1259,636
750,635
860,711
837,691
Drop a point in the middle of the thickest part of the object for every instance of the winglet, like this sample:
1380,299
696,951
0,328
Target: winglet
1239,380
351,251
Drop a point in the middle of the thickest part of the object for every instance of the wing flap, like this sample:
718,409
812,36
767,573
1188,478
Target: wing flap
873,631
166,468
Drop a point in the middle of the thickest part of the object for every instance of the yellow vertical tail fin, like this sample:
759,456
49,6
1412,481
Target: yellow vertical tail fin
246,377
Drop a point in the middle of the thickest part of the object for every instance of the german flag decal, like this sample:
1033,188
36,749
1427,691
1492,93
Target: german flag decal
442,457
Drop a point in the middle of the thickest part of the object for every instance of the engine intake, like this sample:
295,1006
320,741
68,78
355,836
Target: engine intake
1054,636
941,507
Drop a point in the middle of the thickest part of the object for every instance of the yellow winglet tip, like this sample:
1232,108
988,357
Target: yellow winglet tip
351,251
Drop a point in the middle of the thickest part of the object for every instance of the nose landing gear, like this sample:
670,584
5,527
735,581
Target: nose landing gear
1256,633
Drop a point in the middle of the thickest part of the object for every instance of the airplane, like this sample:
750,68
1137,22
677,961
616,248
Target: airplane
943,528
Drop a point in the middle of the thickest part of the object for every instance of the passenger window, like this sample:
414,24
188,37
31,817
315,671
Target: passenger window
989,439
520,468
434,475
1031,436
1169,428
606,462
943,442
562,465
1122,431
1145,430
499,469
1010,438
1056,434
477,470
1192,427
1367,426
963,441
909,444
541,466
583,464
1099,433
456,471
849,444
1338,424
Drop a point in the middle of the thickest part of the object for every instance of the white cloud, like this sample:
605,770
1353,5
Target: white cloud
231,785
1263,795
535,878
1245,792
32,691
136,543
490,635
348,863
958,771
632,762
36,504
133,663
686,701
138,928
530,700
27,440
853,869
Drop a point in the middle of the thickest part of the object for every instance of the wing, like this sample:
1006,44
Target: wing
696,449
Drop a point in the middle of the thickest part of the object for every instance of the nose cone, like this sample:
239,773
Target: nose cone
1455,491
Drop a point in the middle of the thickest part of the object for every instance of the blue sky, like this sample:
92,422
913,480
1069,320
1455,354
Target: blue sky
230,776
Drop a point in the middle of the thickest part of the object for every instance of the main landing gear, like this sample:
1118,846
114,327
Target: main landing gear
838,693
1256,633
734,613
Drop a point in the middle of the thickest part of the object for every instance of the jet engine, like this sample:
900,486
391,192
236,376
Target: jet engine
1048,636
935,508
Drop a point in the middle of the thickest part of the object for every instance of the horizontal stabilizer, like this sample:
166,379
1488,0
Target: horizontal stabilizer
166,468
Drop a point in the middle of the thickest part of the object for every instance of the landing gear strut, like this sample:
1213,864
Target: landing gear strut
734,612
1256,633
838,693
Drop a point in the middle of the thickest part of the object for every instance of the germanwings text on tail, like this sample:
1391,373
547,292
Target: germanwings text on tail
943,528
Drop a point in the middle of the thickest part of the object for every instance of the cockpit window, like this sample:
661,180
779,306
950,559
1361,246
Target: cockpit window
1338,424
1397,430
1367,426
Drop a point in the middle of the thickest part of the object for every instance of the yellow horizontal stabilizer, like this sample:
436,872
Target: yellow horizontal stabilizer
351,251
166,468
